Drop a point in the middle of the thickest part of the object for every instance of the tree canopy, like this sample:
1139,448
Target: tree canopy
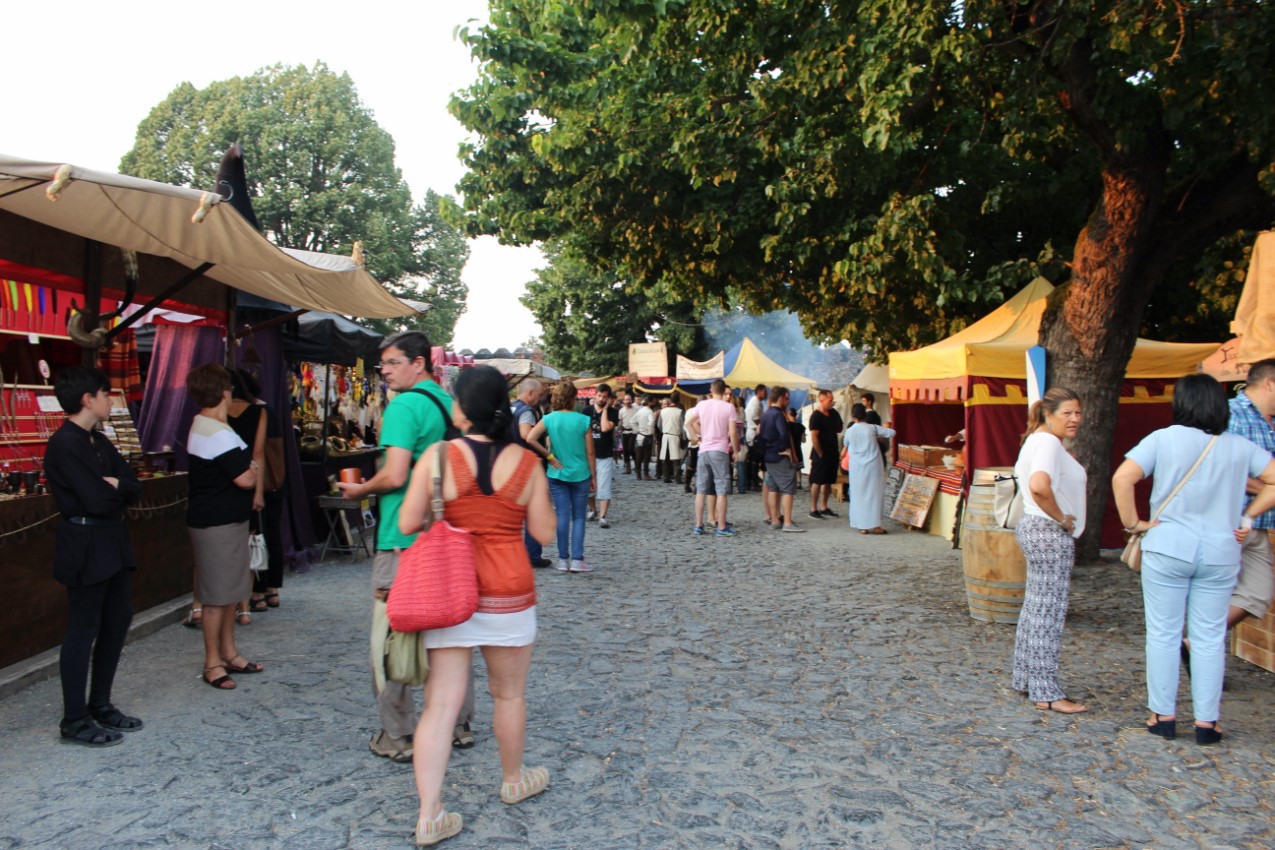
588,318
321,172
886,169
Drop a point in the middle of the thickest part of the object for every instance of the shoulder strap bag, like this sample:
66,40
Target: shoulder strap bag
1132,554
436,586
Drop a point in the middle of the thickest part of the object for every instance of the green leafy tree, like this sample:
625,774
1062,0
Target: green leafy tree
887,169
321,172
588,319
442,252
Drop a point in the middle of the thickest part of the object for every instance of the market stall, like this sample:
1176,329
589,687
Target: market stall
976,380
1254,325
99,242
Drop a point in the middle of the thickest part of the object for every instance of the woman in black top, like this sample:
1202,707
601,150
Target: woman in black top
223,479
248,421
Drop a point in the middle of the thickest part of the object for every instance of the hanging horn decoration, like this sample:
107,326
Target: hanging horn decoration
60,178
206,202
130,285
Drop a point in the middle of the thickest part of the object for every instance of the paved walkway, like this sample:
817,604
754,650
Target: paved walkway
824,690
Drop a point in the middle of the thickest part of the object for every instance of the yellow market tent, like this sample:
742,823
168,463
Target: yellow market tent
748,366
994,347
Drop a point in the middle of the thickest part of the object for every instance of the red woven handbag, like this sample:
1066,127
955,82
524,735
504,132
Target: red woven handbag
436,586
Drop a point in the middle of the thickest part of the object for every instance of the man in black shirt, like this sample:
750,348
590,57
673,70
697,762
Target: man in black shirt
91,485
825,435
603,418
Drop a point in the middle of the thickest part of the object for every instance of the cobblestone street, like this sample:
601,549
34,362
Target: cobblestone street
819,690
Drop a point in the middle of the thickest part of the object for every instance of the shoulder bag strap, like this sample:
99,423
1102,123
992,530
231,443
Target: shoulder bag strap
1187,478
447,419
437,506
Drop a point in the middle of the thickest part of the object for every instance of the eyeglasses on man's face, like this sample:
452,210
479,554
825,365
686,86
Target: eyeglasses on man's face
393,363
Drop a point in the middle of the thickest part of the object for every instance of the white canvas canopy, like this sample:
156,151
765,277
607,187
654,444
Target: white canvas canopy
517,370
192,228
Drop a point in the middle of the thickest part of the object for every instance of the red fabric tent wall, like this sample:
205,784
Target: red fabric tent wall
921,424
994,414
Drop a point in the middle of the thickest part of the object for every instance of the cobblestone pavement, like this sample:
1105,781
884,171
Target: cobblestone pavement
824,690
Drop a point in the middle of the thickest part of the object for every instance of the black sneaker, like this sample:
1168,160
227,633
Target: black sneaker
829,512
816,514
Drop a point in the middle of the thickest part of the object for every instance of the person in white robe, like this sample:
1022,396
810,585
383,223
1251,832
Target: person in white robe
867,475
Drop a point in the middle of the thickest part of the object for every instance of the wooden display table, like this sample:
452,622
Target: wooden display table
36,617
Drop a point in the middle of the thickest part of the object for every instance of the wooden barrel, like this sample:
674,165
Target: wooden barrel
995,569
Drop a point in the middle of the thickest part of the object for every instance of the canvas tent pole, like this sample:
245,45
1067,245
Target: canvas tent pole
327,388
249,330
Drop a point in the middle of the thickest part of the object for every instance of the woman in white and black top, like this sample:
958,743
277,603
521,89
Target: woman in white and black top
1053,485
223,479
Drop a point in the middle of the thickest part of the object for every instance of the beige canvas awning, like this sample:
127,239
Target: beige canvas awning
192,228
1257,303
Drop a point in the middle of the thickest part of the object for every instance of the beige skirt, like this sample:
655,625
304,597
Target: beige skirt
222,576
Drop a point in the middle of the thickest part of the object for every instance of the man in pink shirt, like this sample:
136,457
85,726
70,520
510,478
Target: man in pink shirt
714,426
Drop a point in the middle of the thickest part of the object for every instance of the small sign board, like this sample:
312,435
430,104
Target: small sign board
893,484
915,499
648,359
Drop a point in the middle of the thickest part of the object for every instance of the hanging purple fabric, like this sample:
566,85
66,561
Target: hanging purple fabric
168,409
261,353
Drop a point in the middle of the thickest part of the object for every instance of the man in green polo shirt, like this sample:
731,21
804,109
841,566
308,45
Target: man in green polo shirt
414,420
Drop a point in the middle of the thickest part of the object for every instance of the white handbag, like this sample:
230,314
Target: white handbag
258,557
1007,507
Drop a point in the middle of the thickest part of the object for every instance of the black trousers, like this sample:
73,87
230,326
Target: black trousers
97,624
644,457
272,527
629,444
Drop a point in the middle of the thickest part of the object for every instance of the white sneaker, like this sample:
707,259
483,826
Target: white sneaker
580,567
603,522
592,516
561,565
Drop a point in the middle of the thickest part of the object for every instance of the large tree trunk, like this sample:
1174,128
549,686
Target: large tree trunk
1091,323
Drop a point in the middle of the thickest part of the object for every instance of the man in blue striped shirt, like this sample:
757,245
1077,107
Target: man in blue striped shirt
1251,417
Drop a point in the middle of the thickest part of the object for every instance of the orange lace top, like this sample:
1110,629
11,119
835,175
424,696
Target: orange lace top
506,584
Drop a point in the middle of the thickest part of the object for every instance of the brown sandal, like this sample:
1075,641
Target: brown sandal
1062,706
221,683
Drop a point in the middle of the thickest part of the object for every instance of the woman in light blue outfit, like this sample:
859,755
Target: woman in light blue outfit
572,473
1191,555
867,475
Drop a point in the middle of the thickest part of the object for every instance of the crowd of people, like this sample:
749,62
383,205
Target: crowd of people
520,479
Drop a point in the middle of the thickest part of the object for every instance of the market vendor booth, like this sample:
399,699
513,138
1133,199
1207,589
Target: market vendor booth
85,256
975,381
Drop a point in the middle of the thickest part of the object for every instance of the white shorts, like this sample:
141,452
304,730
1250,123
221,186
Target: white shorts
518,629
606,472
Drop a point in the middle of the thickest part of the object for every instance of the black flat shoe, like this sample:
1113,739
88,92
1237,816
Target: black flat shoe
1205,735
1164,728
87,732
110,717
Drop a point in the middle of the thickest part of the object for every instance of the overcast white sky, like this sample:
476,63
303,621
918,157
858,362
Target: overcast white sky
80,76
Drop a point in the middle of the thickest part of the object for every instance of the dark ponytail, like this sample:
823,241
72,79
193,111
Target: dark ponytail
483,395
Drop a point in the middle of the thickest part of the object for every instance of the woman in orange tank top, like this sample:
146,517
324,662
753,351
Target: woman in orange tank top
490,488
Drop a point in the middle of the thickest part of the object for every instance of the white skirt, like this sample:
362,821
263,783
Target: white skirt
518,629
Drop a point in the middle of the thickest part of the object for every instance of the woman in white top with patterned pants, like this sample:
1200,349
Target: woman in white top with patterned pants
1053,485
